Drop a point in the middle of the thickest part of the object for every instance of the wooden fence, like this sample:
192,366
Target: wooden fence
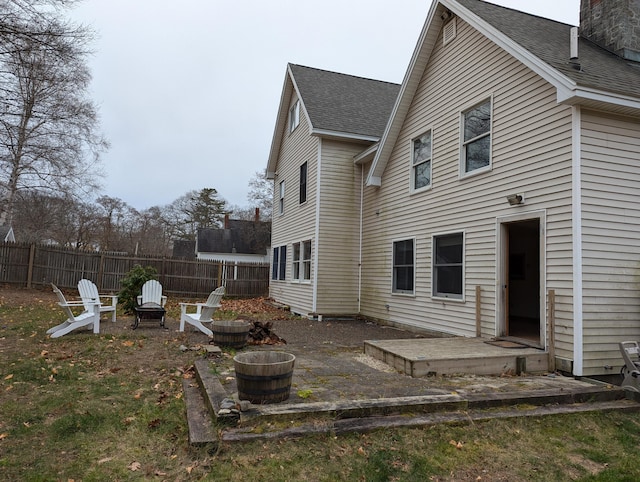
31,265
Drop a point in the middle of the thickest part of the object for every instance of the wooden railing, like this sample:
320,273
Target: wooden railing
31,265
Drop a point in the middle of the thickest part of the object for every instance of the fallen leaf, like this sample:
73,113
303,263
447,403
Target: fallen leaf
9,377
127,343
134,466
105,460
3,436
361,451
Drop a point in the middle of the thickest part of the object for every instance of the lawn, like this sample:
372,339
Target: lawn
110,407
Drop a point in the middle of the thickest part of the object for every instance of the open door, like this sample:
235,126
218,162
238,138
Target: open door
522,317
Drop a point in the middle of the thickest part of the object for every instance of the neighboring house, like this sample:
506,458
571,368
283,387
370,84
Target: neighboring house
237,241
6,234
501,198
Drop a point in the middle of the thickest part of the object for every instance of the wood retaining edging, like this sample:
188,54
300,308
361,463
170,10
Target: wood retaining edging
205,394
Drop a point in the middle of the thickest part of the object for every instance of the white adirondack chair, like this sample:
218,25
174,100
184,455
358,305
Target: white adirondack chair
204,311
86,318
152,293
89,296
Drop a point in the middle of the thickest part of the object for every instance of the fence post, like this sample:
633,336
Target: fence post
100,272
32,257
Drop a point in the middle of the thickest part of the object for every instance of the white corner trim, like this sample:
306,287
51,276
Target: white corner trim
374,181
316,238
576,215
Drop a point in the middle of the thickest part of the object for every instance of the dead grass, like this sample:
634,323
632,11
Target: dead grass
110,407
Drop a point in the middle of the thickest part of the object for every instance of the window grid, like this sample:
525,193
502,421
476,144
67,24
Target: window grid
476,137
403,266
421,161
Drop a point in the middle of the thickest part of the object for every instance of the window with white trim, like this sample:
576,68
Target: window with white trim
303,183
279,263
403,266
281,198
448,266
302,261
421,161
475,152
294,116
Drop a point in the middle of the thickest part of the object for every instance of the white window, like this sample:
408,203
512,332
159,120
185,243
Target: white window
475,153
421,161
403,266
302,261
281,203
448,266
294,116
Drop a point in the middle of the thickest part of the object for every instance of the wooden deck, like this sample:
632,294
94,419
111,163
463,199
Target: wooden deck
448,356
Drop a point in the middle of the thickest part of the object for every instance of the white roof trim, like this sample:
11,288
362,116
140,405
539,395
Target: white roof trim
343,135
368,152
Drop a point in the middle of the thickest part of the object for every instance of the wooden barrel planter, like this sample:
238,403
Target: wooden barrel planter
232,333
264,376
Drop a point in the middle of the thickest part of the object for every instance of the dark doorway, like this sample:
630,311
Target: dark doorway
523,281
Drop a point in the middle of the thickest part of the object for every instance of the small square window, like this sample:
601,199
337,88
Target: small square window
421,161
294,116
476,139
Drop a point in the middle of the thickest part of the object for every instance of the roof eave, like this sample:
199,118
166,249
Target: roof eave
281,120
409,85
327,133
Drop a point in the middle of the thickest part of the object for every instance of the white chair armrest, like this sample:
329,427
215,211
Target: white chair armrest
163,300
139,298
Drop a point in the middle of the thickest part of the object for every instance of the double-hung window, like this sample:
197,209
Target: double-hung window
303,183
421,161
281,198
279,263
403,266
302,261
448,256
475,152
294,116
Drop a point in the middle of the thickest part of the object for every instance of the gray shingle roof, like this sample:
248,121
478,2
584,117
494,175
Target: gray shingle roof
345,103
550,42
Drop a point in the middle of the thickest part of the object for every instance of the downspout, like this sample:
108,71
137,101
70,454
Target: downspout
360,240
317,229
576,216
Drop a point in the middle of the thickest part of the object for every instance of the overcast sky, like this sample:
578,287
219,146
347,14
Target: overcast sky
188,90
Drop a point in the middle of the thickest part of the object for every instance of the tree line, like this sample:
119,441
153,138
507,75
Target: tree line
50,147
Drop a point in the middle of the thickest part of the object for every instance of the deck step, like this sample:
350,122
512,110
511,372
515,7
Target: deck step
450,356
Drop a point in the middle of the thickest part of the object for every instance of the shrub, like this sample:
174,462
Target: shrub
132,285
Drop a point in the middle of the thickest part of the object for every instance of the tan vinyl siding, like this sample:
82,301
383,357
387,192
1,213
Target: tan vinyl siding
339,230
297,223
531,146
611,241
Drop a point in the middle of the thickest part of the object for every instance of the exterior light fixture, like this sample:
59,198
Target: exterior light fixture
515,199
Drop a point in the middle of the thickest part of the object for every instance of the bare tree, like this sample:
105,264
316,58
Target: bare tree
261,194
48,137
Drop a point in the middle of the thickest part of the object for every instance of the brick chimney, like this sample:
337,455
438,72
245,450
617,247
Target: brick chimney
226,221
256,216
612,24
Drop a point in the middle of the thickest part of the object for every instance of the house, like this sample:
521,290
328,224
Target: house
6,234
238,241
500,197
